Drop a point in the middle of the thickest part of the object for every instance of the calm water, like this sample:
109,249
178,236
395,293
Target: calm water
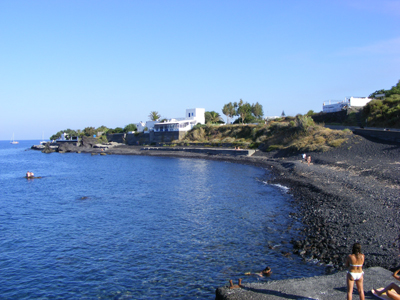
129,227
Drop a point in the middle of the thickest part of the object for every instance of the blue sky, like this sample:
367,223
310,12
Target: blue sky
74,64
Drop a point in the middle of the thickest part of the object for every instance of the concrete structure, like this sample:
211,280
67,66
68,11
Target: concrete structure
334,106
328,287
209,151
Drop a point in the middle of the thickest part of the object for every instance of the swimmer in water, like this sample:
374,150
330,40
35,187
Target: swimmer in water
266,272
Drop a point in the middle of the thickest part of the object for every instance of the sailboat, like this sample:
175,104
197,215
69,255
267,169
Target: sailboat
43,142
14,142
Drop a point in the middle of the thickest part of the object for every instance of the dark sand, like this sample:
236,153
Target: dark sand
349,194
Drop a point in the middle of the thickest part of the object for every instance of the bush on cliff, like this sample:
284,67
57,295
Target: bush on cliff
383,113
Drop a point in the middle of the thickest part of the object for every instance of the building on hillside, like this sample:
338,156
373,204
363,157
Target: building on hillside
270,118
175,129
335,106
141,126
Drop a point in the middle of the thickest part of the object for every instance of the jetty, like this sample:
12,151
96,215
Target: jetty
327,287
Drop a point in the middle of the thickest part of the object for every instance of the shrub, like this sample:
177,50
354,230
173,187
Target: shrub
337,142
274,147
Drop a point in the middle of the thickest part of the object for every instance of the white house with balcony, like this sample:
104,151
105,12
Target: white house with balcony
175,129
334,106
193,116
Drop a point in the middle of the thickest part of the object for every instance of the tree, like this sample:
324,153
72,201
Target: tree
310,113
89,131
283,114
212,117
154,116
257,110
130,127
243,110
229,111
393,91
115,130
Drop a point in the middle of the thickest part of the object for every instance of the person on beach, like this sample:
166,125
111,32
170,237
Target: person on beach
304,157
392,290
309,160
232,286
354,263
266,272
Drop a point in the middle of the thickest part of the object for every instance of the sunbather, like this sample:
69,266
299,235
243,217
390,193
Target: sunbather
392,290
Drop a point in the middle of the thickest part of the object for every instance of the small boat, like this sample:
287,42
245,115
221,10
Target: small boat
42,142
13,142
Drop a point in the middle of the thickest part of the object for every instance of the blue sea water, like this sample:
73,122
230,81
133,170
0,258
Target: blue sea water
137,227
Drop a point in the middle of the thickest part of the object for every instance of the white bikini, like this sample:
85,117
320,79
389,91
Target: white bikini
356,276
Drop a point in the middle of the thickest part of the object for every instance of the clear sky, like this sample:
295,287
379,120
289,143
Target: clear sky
74,64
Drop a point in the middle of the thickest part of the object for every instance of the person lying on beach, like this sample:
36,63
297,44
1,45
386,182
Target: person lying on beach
266,272
232,286
392,290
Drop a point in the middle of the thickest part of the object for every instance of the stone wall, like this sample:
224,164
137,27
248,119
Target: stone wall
335,117
209,151
142,138
387,135
116,137
167,136
138,139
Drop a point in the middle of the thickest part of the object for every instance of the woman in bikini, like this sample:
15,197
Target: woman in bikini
392,290
355,273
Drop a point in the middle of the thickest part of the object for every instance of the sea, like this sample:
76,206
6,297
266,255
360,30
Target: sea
139,227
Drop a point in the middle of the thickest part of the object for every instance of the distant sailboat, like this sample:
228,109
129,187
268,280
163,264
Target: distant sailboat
14,142
43,142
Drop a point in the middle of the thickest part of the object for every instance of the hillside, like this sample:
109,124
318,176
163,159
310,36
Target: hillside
298,134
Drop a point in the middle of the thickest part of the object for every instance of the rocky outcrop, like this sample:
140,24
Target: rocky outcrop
47,148
88,142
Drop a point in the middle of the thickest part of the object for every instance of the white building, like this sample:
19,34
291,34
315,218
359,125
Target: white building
193,116
140,126
149,124
334,106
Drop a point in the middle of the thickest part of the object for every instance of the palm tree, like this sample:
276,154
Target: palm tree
212,117
154,116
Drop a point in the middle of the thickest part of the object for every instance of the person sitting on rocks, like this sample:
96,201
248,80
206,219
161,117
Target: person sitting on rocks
392,290
304,157
309,159
355,273
266,272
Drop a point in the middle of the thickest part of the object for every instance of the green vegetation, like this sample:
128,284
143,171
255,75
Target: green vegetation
154,116
294,134
212,117
130,127
395,90
385,112
100,132
247,113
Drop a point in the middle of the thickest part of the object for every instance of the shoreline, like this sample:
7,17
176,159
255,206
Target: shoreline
347,195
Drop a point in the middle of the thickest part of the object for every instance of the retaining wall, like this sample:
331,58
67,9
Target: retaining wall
210,151
387,135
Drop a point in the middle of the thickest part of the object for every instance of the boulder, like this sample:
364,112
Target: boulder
47,148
